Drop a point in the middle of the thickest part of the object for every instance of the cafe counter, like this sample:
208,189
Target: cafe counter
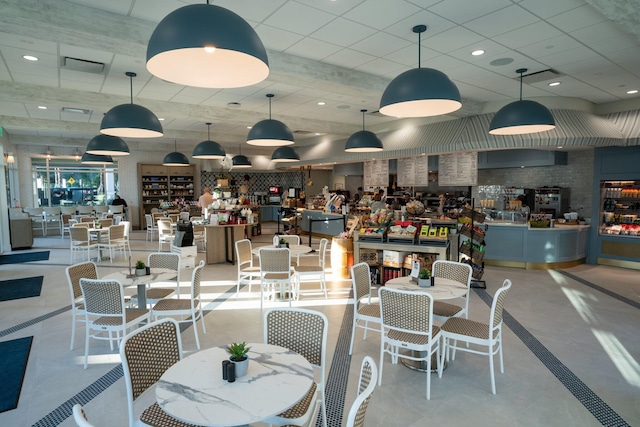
221,241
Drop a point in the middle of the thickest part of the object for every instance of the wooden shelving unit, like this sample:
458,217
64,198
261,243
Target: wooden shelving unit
164,183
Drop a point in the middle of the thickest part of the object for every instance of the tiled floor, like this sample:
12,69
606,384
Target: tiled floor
572,353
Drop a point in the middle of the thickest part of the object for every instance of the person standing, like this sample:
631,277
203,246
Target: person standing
205,200
118,201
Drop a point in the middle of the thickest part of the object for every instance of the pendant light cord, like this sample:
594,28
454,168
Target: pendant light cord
419,55
363,111
521,71
208,131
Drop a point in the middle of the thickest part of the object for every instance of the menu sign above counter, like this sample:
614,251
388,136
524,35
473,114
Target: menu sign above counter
413,171
458,169
376,173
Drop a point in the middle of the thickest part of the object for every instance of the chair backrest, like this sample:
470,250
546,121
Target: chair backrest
291,239
127,228
458,271
195,281
65,219
323,252
86,219
80,417
158,215
300,330
184,216
174,217
165,260
164,226
33,212
101,208
103,297
146,354
84,209
79,233
106,222
115,209
117,219
116,232
81,224
361,280
106,215
149,220
68,210
52,211
406,311
495,319
366,386
84,270
275,260
243,253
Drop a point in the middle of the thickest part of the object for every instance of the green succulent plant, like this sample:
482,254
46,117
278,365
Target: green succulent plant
140,265
238,351
424,274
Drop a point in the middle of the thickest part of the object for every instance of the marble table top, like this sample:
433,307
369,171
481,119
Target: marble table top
294,249
193,390
157,275
443,288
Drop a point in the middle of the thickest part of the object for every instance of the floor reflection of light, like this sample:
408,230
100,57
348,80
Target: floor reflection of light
99,359
557,277
626,364
581,302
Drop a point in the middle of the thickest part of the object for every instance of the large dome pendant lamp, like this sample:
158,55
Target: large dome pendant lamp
95,159
208,149
363,141
131,120
270,132
285,155
175,158
203,45
107,145
421,92
239,161
522,117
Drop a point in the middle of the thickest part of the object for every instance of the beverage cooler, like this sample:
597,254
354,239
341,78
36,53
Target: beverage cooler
552,200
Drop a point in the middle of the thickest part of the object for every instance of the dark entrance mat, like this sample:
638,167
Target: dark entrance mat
26,287
24,257
14,356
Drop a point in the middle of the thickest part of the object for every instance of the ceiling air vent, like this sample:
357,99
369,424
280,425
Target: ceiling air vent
539,76
75,110
82,65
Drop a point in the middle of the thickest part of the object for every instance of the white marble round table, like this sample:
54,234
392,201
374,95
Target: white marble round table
157,275
296,250
193,390
443,289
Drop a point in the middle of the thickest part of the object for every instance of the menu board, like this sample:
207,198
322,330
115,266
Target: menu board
458,169
376,173
413,171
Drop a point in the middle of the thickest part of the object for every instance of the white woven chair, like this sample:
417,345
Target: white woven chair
292,239
161,260
165,234
146,354
305,332
244,260
74,273
407,319
151,227
66,221
276,271
182,307
365,310
105,312
80,417
114,241
127,231
479,334
52,219
461,273
366,386
82,243
313,272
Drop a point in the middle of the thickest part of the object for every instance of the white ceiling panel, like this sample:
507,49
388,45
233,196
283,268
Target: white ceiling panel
313,49
575,19
28,45
452,39
381,43
349,58
547,8
13,109
342,32
501,21
278,39
528,35
461,11
381,67
435,25
306,21
250,9
381,14
333,7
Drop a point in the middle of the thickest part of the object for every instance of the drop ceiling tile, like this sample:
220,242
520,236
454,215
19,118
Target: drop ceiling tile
461,11
334,7
547,8
69,76
435,25
381,44
551,46
491,48
349,58
452,39
408,56
312,49
528,35
28,45
35,79
501,21
579,53
594,33
476,93
614,44
220,99
444,63
381,14
575,19
13,109
121,7
343,32
380,67
276,39
253,10
306,21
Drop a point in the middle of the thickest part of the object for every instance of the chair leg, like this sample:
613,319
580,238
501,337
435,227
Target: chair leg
195,330
73,328
86,346
491,372
353,335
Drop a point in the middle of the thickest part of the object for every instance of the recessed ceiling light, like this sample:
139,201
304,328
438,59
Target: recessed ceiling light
30,57
321,103
249,127
477,52
161,119
633,91
559,146
318,133
42,107
554,84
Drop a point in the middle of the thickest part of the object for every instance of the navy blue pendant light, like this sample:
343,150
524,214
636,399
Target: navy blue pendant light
363,141
285,155
208,149
204,45
239,161
270,132
131,120
107,145
175,158
95,159
421,92
521,117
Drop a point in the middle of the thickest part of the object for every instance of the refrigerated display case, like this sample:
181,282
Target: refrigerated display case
619,208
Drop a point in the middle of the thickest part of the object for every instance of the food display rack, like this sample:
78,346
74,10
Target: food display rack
472,247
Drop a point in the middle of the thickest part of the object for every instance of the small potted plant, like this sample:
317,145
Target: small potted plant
238,355
282,243
424,278
140,268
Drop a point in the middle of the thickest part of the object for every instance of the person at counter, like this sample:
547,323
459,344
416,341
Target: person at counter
205,200
377,203
337,204
118,201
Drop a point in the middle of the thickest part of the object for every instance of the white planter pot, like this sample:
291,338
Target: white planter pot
241,367
141,271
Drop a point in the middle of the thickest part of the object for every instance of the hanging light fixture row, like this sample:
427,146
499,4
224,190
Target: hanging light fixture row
270,132
131,120
521,117
239,161
204,45
285,154
363,141
208,149
107,145
175,158
95,159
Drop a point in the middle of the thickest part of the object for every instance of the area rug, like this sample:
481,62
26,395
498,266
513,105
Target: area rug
14,356
26,287
24,257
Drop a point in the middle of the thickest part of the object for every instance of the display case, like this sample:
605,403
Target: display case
619,208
